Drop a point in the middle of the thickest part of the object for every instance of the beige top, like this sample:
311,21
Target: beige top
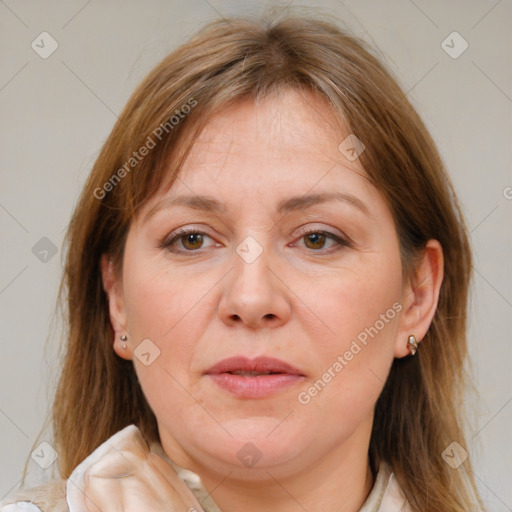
57,495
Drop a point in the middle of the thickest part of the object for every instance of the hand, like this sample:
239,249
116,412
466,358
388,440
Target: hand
123,475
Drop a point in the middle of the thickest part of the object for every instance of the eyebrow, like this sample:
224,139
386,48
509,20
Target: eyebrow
210,204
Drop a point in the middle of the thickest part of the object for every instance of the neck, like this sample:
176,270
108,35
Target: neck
339,481
342,490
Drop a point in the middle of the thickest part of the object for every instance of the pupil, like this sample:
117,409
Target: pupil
193,238
315,238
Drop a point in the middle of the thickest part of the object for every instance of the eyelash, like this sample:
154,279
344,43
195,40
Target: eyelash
167,242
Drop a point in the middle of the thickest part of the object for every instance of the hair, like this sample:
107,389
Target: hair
420,410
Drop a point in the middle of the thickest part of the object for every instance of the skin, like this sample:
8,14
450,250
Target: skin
303,300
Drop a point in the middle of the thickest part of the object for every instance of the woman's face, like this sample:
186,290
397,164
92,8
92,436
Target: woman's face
251,283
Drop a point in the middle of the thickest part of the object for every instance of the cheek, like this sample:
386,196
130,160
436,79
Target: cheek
160,301
360,313
170,308
161,309
361,299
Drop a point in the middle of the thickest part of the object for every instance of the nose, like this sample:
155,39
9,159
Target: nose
255,294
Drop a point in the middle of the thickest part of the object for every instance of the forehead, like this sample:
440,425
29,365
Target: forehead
288,120
292,136
264,153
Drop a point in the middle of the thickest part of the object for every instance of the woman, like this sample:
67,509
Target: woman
267,283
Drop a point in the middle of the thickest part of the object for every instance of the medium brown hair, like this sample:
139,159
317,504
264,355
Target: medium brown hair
419,412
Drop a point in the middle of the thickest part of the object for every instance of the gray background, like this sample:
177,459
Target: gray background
56,113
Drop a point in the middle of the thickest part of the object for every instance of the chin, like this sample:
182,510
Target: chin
257,445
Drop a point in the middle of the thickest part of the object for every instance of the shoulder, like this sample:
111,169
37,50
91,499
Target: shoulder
49,497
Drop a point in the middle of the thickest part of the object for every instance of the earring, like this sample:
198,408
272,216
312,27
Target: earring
412,343
124,338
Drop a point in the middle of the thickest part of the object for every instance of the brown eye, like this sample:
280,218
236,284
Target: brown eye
317,240
184,241
192,240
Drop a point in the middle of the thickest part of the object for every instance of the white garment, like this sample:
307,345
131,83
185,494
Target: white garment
385,495
20,506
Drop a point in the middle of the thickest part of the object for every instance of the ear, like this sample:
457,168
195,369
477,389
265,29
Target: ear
420,296
112,284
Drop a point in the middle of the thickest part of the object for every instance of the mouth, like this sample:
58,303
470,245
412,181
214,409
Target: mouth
252,374
254,378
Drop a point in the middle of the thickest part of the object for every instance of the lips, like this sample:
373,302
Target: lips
254,378
261,365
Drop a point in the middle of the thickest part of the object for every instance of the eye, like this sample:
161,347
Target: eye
315,239
191,240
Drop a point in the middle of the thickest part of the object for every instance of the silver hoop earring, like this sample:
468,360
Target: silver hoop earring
124,338
412,343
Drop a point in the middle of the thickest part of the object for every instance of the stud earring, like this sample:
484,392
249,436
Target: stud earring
124,338
412,343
